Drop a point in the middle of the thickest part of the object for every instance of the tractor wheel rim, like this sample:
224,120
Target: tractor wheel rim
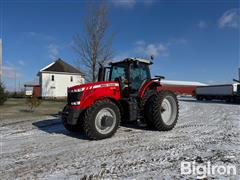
105,120
168,110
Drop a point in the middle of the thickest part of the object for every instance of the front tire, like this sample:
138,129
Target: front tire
72,128
163,110
101,120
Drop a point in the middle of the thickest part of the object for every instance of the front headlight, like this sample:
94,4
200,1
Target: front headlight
78,90
77,103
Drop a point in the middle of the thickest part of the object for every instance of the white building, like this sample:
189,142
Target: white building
55,78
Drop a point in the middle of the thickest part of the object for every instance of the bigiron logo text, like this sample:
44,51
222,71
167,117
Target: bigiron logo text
207,169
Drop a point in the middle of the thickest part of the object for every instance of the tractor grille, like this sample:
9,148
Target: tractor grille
73,97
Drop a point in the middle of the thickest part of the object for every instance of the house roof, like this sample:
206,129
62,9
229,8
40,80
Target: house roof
60,66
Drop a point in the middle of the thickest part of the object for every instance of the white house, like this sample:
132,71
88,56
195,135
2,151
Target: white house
55,78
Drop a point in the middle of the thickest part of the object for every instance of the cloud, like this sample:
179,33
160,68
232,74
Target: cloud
202,24
53,51
22,63
40,36
49,43
148,2
131,3
121,56
124,3
10,72
143,49
140,43
176,41
154,49
231,18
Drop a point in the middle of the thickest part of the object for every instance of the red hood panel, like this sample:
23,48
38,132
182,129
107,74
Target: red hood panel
92,92
91,84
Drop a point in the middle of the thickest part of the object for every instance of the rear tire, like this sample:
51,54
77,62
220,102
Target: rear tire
101,120
148,94
163,110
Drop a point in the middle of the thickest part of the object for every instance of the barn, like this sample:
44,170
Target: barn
55,78
181,87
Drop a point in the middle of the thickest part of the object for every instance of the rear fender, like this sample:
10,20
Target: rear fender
148,85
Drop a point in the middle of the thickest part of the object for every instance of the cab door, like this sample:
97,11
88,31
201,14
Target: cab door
139,73
238,89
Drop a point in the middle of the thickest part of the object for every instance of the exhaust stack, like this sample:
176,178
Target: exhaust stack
239,73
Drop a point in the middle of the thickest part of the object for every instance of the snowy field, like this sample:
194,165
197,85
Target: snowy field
42,148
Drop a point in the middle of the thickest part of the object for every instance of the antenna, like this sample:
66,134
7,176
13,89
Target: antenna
152,57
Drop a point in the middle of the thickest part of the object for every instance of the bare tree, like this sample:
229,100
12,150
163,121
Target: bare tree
94,46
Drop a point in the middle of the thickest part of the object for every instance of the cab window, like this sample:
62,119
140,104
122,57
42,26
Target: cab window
138,73
119,71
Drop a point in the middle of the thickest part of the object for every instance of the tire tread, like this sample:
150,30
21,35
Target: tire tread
88,119
154,114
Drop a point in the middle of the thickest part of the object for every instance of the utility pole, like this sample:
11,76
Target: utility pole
19,86
1,36
1,72
15,81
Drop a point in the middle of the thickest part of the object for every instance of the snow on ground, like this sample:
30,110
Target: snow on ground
206,131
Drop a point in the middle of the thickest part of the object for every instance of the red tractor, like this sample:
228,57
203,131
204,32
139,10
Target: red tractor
125,92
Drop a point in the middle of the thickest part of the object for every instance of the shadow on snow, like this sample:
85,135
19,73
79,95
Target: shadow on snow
55,126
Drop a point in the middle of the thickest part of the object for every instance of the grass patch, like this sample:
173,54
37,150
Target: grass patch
17,108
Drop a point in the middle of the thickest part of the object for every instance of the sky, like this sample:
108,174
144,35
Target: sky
191,40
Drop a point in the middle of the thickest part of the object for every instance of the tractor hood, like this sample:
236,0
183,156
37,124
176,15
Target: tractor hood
84,95
95,85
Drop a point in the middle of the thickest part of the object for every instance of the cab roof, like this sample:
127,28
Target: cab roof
132,60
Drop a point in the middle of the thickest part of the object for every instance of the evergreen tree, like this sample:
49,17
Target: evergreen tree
3,94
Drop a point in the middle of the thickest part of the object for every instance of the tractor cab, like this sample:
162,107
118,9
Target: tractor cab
131,73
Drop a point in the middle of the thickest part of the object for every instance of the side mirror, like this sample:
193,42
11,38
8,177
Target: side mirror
160,77
238,81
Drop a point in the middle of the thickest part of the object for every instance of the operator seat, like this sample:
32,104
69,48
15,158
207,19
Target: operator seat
123,88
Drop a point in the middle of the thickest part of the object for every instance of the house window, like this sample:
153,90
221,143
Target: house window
52,77
71,79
